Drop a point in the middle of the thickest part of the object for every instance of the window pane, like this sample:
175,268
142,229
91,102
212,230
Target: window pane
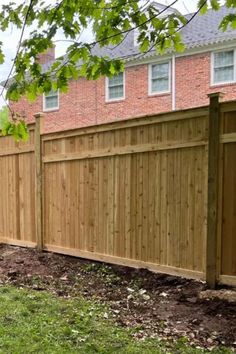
160,70
223,59
116,80
224,74
51,99
51,102
116,92
116,87
160,85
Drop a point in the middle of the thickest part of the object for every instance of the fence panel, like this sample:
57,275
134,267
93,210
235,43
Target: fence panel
135,194
17,207
131,193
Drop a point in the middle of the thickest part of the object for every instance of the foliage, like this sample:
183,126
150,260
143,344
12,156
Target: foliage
15,127
3,117
33,322
111,21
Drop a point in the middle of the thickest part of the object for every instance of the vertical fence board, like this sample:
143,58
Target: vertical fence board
228,227
133,193
213,178
38,182
229,211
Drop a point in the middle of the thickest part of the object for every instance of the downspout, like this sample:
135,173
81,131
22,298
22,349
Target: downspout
173,84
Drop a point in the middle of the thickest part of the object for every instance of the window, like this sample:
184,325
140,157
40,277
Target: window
51,101
223,67
159,78
115,87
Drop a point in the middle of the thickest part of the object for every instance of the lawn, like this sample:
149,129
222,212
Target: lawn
40,322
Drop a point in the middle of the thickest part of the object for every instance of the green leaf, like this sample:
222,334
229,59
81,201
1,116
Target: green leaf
13,92
1,57
4,117
215,4
144,45
202,4
112,69
229,20
21,132
111,21
179,47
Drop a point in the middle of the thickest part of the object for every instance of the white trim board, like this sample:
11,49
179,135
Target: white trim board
188,52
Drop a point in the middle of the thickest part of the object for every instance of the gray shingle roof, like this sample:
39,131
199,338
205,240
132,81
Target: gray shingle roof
203,30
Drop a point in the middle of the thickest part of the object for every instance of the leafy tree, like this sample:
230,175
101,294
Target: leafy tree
3,117
111,20
16,128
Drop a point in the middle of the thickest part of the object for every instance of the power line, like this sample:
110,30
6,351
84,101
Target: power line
92,44
18,49
136,55
137,26
179,29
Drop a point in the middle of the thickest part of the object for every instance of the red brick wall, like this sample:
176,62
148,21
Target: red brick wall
193,77
84,104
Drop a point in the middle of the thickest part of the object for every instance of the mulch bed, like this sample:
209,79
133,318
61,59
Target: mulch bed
161,305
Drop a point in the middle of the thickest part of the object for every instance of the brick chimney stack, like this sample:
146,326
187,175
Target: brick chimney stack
47,56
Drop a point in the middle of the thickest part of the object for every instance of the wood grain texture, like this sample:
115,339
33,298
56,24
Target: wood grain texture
131,193
213,189
17,203
229,211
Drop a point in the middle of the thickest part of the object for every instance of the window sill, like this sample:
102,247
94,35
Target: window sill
159,94
115,101
223,84
50,110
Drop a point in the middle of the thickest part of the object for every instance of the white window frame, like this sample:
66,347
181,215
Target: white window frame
45,109
213,83
152,93
107,90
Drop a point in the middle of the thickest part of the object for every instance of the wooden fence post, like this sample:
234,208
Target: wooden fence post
38,182
213,180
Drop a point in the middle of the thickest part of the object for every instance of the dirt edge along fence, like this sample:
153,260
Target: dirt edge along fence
156,192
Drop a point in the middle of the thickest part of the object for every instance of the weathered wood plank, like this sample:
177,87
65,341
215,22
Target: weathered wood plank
123,151
126,262
213,177
38,182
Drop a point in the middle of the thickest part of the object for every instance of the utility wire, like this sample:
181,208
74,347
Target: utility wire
142,24
133,55
17,52
92,44
179,29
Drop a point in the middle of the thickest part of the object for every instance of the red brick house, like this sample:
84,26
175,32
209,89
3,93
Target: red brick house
149,85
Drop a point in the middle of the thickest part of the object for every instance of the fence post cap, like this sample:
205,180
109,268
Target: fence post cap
216,94
38,115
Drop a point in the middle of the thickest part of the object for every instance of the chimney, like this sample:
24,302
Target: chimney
47,56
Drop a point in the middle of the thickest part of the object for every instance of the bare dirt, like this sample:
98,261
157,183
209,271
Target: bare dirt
160,305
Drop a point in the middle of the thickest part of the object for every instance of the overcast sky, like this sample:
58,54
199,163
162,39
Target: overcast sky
11,37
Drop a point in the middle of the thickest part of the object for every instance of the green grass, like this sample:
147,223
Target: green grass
33,322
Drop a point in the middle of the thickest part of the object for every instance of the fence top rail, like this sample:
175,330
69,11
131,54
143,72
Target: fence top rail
129,123
228,106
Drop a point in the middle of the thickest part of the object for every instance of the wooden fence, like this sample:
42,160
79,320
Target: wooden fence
155,192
